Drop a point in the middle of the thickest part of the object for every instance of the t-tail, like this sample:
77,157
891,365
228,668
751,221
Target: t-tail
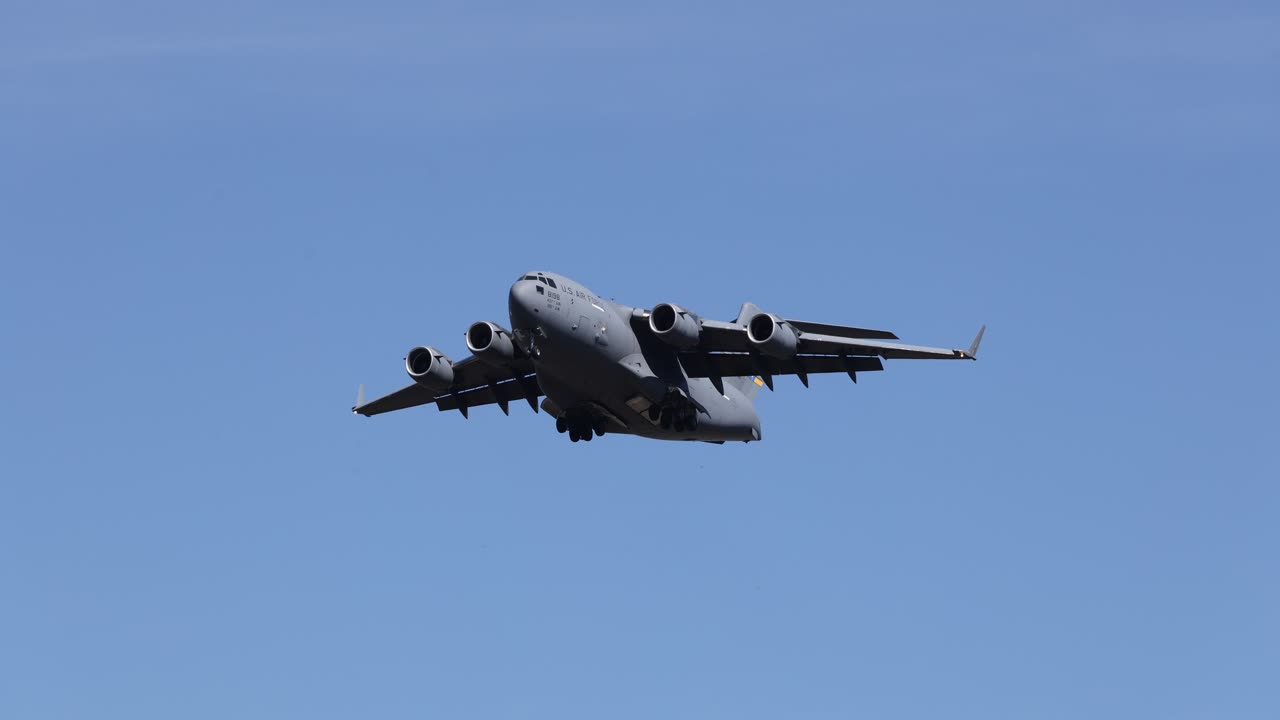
749,385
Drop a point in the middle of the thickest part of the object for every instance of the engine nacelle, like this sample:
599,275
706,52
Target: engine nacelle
491,343
674,325
772,336
430,368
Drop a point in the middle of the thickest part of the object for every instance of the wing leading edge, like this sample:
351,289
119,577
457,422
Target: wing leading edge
475,384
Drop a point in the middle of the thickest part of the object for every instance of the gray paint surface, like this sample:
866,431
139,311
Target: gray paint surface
665,374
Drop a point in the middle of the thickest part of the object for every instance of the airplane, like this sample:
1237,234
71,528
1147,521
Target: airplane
666,373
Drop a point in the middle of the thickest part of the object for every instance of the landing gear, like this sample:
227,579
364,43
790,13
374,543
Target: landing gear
676,412
581,427
686,421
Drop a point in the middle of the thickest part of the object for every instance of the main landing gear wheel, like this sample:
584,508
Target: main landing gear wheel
581,426
679,419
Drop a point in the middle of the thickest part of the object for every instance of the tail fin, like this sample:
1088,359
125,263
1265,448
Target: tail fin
747,385
748,311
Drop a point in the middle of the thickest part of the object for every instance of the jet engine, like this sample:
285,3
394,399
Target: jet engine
430,368
489,342
772,336
674,325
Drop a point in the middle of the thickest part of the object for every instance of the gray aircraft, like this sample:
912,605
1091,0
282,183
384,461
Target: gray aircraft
664,373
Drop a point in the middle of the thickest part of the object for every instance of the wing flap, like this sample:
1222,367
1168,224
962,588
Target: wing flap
501,392
747,364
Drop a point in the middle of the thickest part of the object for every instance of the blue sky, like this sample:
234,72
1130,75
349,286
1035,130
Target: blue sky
217,219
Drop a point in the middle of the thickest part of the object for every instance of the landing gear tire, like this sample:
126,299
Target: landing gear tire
599,426
655,413
562,425
573,435
691,424
586,436
668,418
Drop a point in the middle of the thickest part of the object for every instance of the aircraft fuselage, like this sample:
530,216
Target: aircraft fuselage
593,367
665,373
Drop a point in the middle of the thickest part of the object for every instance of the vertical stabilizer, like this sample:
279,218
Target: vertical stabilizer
748,385
746,313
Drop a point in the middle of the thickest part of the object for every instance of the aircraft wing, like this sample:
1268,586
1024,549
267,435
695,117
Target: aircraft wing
724,350
729,337
475,383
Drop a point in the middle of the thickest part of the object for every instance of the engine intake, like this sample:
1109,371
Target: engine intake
491,343
772,336
674,325
429,367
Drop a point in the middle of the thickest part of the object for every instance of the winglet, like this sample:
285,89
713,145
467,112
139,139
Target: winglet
359,398
972,352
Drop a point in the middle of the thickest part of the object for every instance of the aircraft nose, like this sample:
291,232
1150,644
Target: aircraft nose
522,303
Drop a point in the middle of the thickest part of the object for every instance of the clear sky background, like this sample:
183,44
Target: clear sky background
217,218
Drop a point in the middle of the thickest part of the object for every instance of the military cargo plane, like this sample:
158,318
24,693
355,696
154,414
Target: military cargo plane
664,373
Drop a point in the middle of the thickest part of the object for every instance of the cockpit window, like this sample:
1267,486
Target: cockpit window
541,279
